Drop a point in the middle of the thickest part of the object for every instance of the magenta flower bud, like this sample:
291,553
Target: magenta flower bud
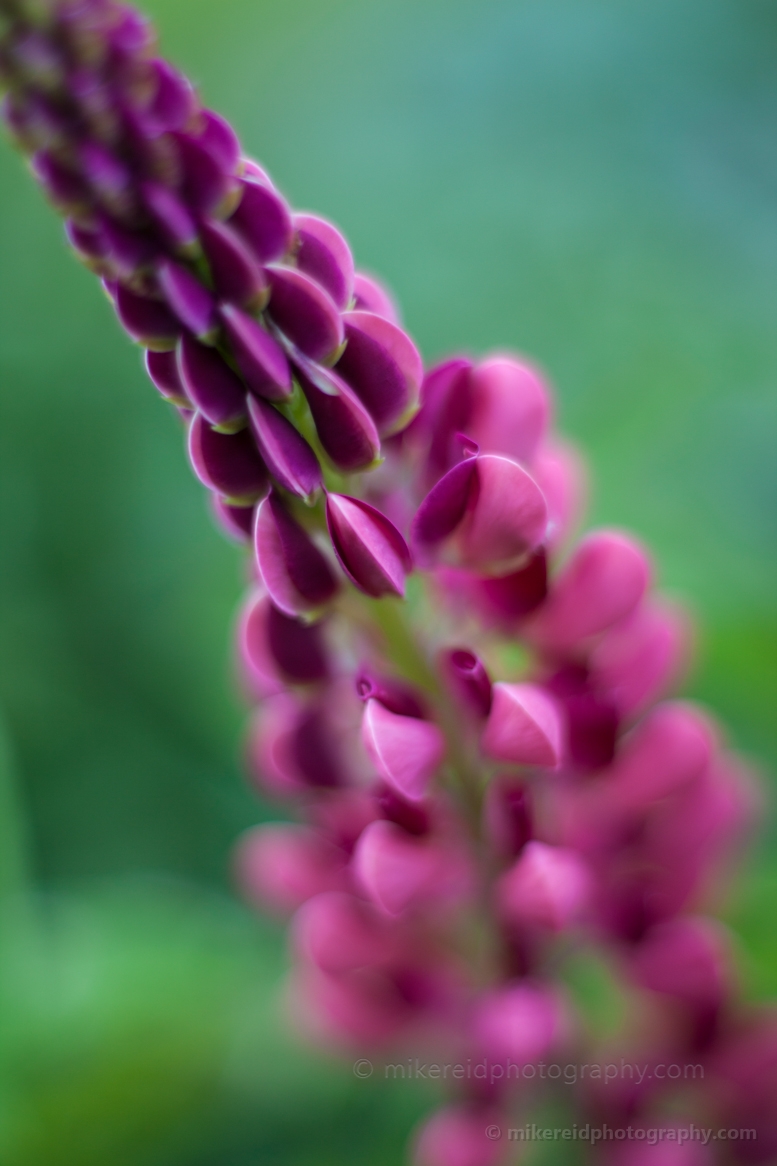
383,367
174,101
191,302
227,463
468,678
395,695
276,649
369,548
107,177
667,751
220,140
521,1021
238,276
406,751
636,661
162,368
560,473
323,254
264,221
305,313
287,455
510,408
601,584
339,933
281,866
237,522
293,745
345,429
295,572
548,887
259,356
205,183
211,385
412,817
371,296
149,322
397,870
507,815
63,186
89,243
170,216
126,251
457,1136
686,958
592,719
523,727
486,513
511,597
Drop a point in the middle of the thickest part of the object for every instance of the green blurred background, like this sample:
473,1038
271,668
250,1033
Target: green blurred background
589,181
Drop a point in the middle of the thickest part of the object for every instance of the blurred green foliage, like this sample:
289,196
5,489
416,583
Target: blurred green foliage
588,181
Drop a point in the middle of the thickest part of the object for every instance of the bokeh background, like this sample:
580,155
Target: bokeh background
589,181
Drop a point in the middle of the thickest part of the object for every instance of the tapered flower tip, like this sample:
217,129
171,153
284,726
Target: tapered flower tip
263,219
469,679
187,298
383,367
601,584
344,427
667,751
323,253
305,313
295,572
521,1021
687,958
638,660
238,277
456,1136
371,296
397,870
560,473
259,356
368,546
237,522
490,507
287,455
406,751
276,649
510,408
149,322
548,887
227,463
523,727
162,368
281,866
339,933
170,216
211,385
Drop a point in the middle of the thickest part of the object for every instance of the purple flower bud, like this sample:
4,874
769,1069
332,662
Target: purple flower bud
323,254
259,357
90,245
406,751
125,250
521,1021
523,727
205,184
170,216
638,659
293,649
227,463
62,185
560,473
547,887
295,572
211,384
107,177
510,408
446,404
371,296
592,720
382,366
515,595
685,958
412,817
162,367
237,522
281,866
345,429
369,548
237,275
287,455
220,140
395,695
174,101
148,321
264,220
305,313
396,870
189,299
340,933
469,679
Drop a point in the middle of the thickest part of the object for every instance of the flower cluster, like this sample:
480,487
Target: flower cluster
467,708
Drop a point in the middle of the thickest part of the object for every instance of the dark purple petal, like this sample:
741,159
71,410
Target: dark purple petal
62,185
264,221
369,547
305,313
295,572
126,250
259,356
227,463
519,593
469,679
211,385
174,100
382,366
189,299
205,184
592,730
323,254
446,404
169,215
345,428
150,322
413,817
236,521
297,647
371,296
287,455
314,750
87,241
107,176
218,137
443,507
162,367
237,275
395,695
